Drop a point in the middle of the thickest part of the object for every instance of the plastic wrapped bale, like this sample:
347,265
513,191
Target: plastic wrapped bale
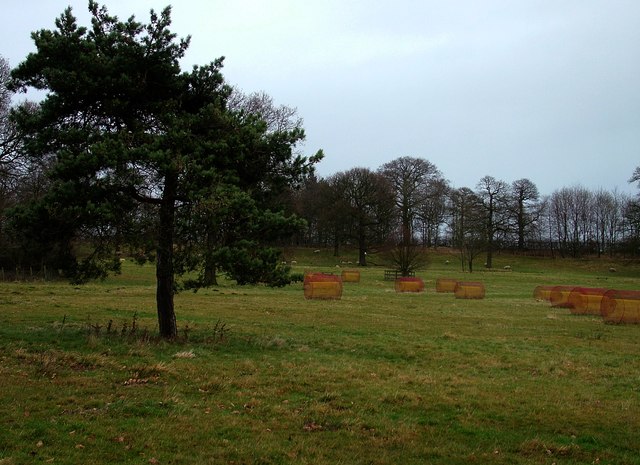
469,290
586,300
409,284
543,293
322,286
620,306
318,276
559,296
350,276
446,284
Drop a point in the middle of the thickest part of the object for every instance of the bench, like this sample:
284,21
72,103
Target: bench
392,275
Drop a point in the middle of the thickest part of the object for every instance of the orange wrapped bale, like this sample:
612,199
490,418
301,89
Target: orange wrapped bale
585,300
317,276
559,296
543,292
322,286
350,276
469,290
620,306
409,284
446,284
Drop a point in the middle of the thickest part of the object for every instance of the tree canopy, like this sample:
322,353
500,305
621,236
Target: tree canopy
137,143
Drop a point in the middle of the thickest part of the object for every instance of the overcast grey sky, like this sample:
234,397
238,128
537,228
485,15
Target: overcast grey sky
542,89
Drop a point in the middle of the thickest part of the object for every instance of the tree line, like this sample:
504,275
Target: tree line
407,201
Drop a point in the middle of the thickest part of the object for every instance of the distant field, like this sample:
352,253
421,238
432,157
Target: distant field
262,376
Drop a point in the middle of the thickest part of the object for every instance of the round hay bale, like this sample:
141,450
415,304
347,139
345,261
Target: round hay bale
409,284
542,292
350,276
469,290
585,300
559,296
620,306
322,286
446,284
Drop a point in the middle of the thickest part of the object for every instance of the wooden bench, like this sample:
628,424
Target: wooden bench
392,275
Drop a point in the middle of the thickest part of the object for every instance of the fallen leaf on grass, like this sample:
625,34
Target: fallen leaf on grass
312,426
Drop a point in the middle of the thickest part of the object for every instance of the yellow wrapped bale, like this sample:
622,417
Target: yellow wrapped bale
586,300
543,293
446,284
620,306
559,296
350,276
469,290
409,284
322,286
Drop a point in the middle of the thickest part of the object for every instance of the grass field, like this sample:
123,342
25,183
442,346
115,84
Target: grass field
262,376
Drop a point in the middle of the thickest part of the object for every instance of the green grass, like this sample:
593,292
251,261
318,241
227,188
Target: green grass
262,376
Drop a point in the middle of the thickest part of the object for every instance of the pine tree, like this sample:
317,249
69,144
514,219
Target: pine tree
134,136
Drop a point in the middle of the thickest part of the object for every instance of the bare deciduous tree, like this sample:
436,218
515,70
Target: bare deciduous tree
278,118
432,212
494,195
367,199
525,208
409,177
466,224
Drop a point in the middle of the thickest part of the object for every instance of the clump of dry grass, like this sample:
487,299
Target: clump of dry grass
185,354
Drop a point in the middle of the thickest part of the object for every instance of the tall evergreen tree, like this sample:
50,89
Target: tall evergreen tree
129,129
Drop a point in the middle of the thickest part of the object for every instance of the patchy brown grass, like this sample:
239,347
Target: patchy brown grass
264,376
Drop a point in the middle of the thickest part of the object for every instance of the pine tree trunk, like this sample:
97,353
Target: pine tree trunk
164,264
210,278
